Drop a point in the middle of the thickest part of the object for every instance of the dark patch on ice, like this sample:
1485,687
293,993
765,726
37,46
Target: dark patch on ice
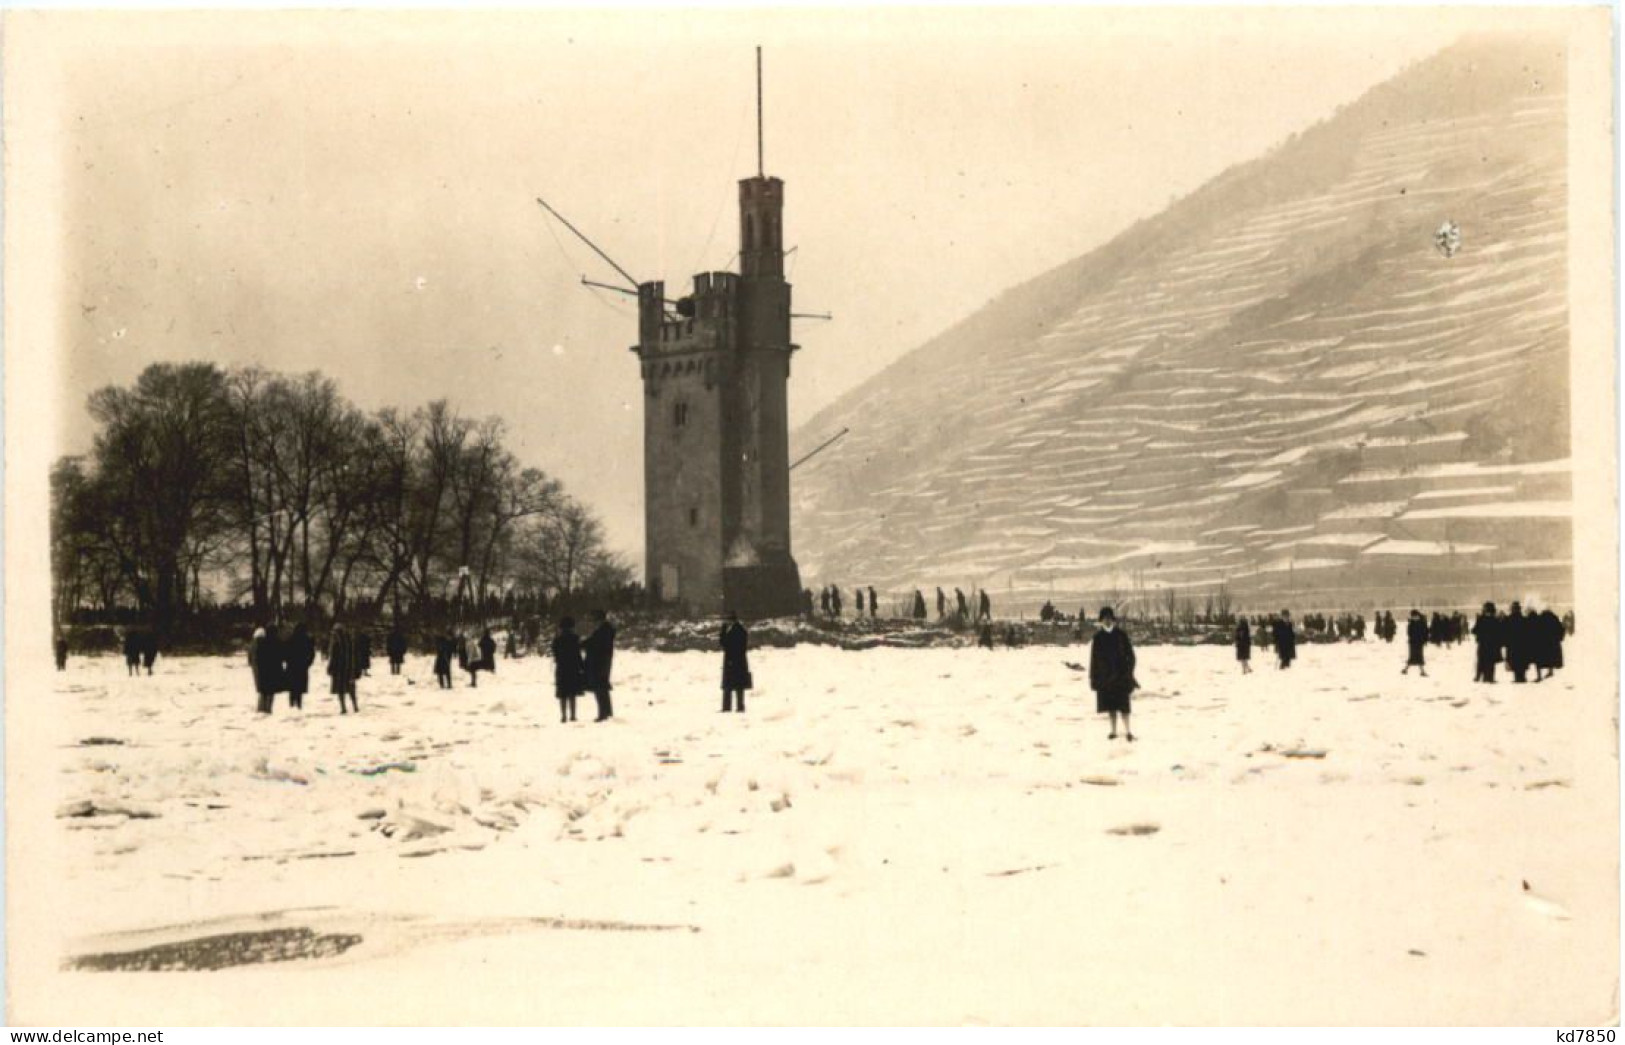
221,951
85,807
1134,829
1018,870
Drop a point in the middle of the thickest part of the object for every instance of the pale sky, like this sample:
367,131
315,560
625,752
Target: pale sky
354,192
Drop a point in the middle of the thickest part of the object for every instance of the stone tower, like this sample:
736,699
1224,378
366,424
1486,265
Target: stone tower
716,472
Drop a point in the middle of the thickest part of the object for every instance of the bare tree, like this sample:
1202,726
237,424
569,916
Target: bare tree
159,466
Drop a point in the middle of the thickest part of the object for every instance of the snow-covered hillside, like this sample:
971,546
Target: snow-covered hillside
1284,357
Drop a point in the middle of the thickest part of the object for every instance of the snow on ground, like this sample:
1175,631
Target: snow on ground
937,835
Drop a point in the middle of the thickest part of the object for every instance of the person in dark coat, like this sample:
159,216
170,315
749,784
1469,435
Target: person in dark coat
823,601
265,662
568,676
735,665
149,650
468,657
395,646
984,610
1111,671
874,605
132,652
599,651
959,597
984,637
343,667
1516,637
1416,639
59,646
1549,648
1244,646
488,652
510,646
942,604
835,600
1487,635
919,605
298,654
445,649
1285,639
860,600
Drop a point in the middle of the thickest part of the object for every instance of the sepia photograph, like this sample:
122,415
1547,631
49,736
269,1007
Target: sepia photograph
723,516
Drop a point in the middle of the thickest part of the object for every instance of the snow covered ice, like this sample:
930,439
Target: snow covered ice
893,835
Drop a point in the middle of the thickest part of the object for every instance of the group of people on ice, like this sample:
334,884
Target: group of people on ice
1522,639
1519,638
586,665
580,666
1276,633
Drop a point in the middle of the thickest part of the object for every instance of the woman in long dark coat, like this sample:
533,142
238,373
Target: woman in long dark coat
1244,645
735,664
569,678
445,648
599,664
1516,635
1286,640
343,667
265,659
1111,671
149,650
1487,634
488,651
1416,639
363,652
298,654
132,652
395,646
1550,629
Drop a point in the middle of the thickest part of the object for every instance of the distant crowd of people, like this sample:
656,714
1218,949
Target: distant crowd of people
1519,638
831,603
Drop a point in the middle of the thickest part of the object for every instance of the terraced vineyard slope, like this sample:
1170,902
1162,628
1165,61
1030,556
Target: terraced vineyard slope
1281,385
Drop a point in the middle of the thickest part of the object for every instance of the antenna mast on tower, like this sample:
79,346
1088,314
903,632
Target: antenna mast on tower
760,168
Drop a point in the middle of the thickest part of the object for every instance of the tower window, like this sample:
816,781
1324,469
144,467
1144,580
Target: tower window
679,414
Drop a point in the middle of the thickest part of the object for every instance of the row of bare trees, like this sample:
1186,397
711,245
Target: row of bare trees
268,489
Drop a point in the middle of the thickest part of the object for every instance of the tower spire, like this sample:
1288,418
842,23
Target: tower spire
760,167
